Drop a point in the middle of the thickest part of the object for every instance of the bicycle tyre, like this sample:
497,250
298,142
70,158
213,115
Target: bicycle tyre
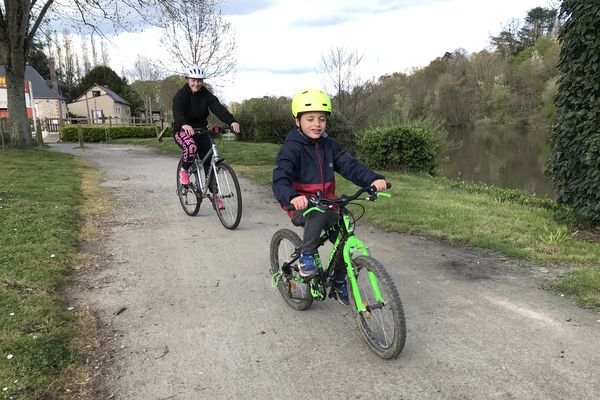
189,196
283,245
385,343
231,196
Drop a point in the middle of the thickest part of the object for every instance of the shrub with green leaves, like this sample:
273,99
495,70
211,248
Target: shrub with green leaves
102,133
575,158
343,132
411,146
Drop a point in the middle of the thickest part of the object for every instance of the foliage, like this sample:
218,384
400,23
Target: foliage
514,38
266,119
412,146
102,133
38,60
575,160
342,131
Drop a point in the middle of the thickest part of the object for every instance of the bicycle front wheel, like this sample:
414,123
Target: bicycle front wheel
189,196
229,209
383,324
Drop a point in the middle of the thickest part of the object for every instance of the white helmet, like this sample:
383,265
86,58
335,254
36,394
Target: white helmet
195,71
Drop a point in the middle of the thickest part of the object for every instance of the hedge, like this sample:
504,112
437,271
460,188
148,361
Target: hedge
101,133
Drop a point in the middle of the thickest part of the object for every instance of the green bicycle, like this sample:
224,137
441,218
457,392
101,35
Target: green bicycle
373,295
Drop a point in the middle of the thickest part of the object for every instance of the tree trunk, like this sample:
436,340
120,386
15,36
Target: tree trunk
19,126
14,47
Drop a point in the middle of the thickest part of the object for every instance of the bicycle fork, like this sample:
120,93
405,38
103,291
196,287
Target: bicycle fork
354,245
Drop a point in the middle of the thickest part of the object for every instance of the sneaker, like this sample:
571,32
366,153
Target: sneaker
219,202
307,265
340,287
184,177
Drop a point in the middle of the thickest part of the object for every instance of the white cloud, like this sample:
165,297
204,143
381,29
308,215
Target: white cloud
279,46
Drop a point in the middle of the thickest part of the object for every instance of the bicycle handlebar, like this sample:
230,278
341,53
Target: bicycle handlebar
343,200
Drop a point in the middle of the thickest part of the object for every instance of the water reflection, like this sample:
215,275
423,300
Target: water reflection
505,158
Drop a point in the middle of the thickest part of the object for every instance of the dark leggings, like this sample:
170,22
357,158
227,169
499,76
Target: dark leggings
314,223
190,145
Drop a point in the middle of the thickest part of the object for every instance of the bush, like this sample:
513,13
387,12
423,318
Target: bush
342,131
272,129
102,133
412,146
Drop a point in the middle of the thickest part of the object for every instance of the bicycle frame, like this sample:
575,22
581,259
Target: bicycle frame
215,159
351,245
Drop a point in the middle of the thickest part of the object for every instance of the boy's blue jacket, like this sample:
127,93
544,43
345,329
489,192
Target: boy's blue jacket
304,165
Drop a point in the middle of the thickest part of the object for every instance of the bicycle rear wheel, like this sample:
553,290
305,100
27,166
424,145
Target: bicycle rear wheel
189,196
283,245
228,190
382,325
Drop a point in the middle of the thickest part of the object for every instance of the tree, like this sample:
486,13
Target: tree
538,23
196,33
21,19
340,65
38,59
507,42
575,155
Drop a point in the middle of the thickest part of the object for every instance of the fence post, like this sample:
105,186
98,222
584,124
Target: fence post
2,132
38,134
80,134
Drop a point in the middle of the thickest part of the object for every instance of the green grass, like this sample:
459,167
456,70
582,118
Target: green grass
584,285
39,201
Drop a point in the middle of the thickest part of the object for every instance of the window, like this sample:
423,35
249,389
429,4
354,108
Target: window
98,116
95,93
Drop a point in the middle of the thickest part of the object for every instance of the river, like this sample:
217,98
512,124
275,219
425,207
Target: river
508,158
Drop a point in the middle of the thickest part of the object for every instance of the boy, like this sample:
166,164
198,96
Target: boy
305,164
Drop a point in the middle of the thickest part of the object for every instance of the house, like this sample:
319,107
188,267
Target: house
100,105
47,103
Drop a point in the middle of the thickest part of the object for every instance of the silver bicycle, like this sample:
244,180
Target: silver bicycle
219,185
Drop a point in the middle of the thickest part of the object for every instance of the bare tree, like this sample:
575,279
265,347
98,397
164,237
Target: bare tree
94,52
197,34
340,65
144,70
87,65
104,53
21,19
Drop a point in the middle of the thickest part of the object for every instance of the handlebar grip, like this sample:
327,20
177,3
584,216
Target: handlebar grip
290,207
388,185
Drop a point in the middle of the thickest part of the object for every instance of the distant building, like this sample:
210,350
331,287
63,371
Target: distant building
47,103
100,105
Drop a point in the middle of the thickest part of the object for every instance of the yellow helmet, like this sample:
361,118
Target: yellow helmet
310,100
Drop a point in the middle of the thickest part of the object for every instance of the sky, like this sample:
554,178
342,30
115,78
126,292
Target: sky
280,43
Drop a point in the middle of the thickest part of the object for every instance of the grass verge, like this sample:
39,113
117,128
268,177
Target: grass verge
43,345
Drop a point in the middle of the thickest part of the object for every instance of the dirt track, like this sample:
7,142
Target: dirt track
194,315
